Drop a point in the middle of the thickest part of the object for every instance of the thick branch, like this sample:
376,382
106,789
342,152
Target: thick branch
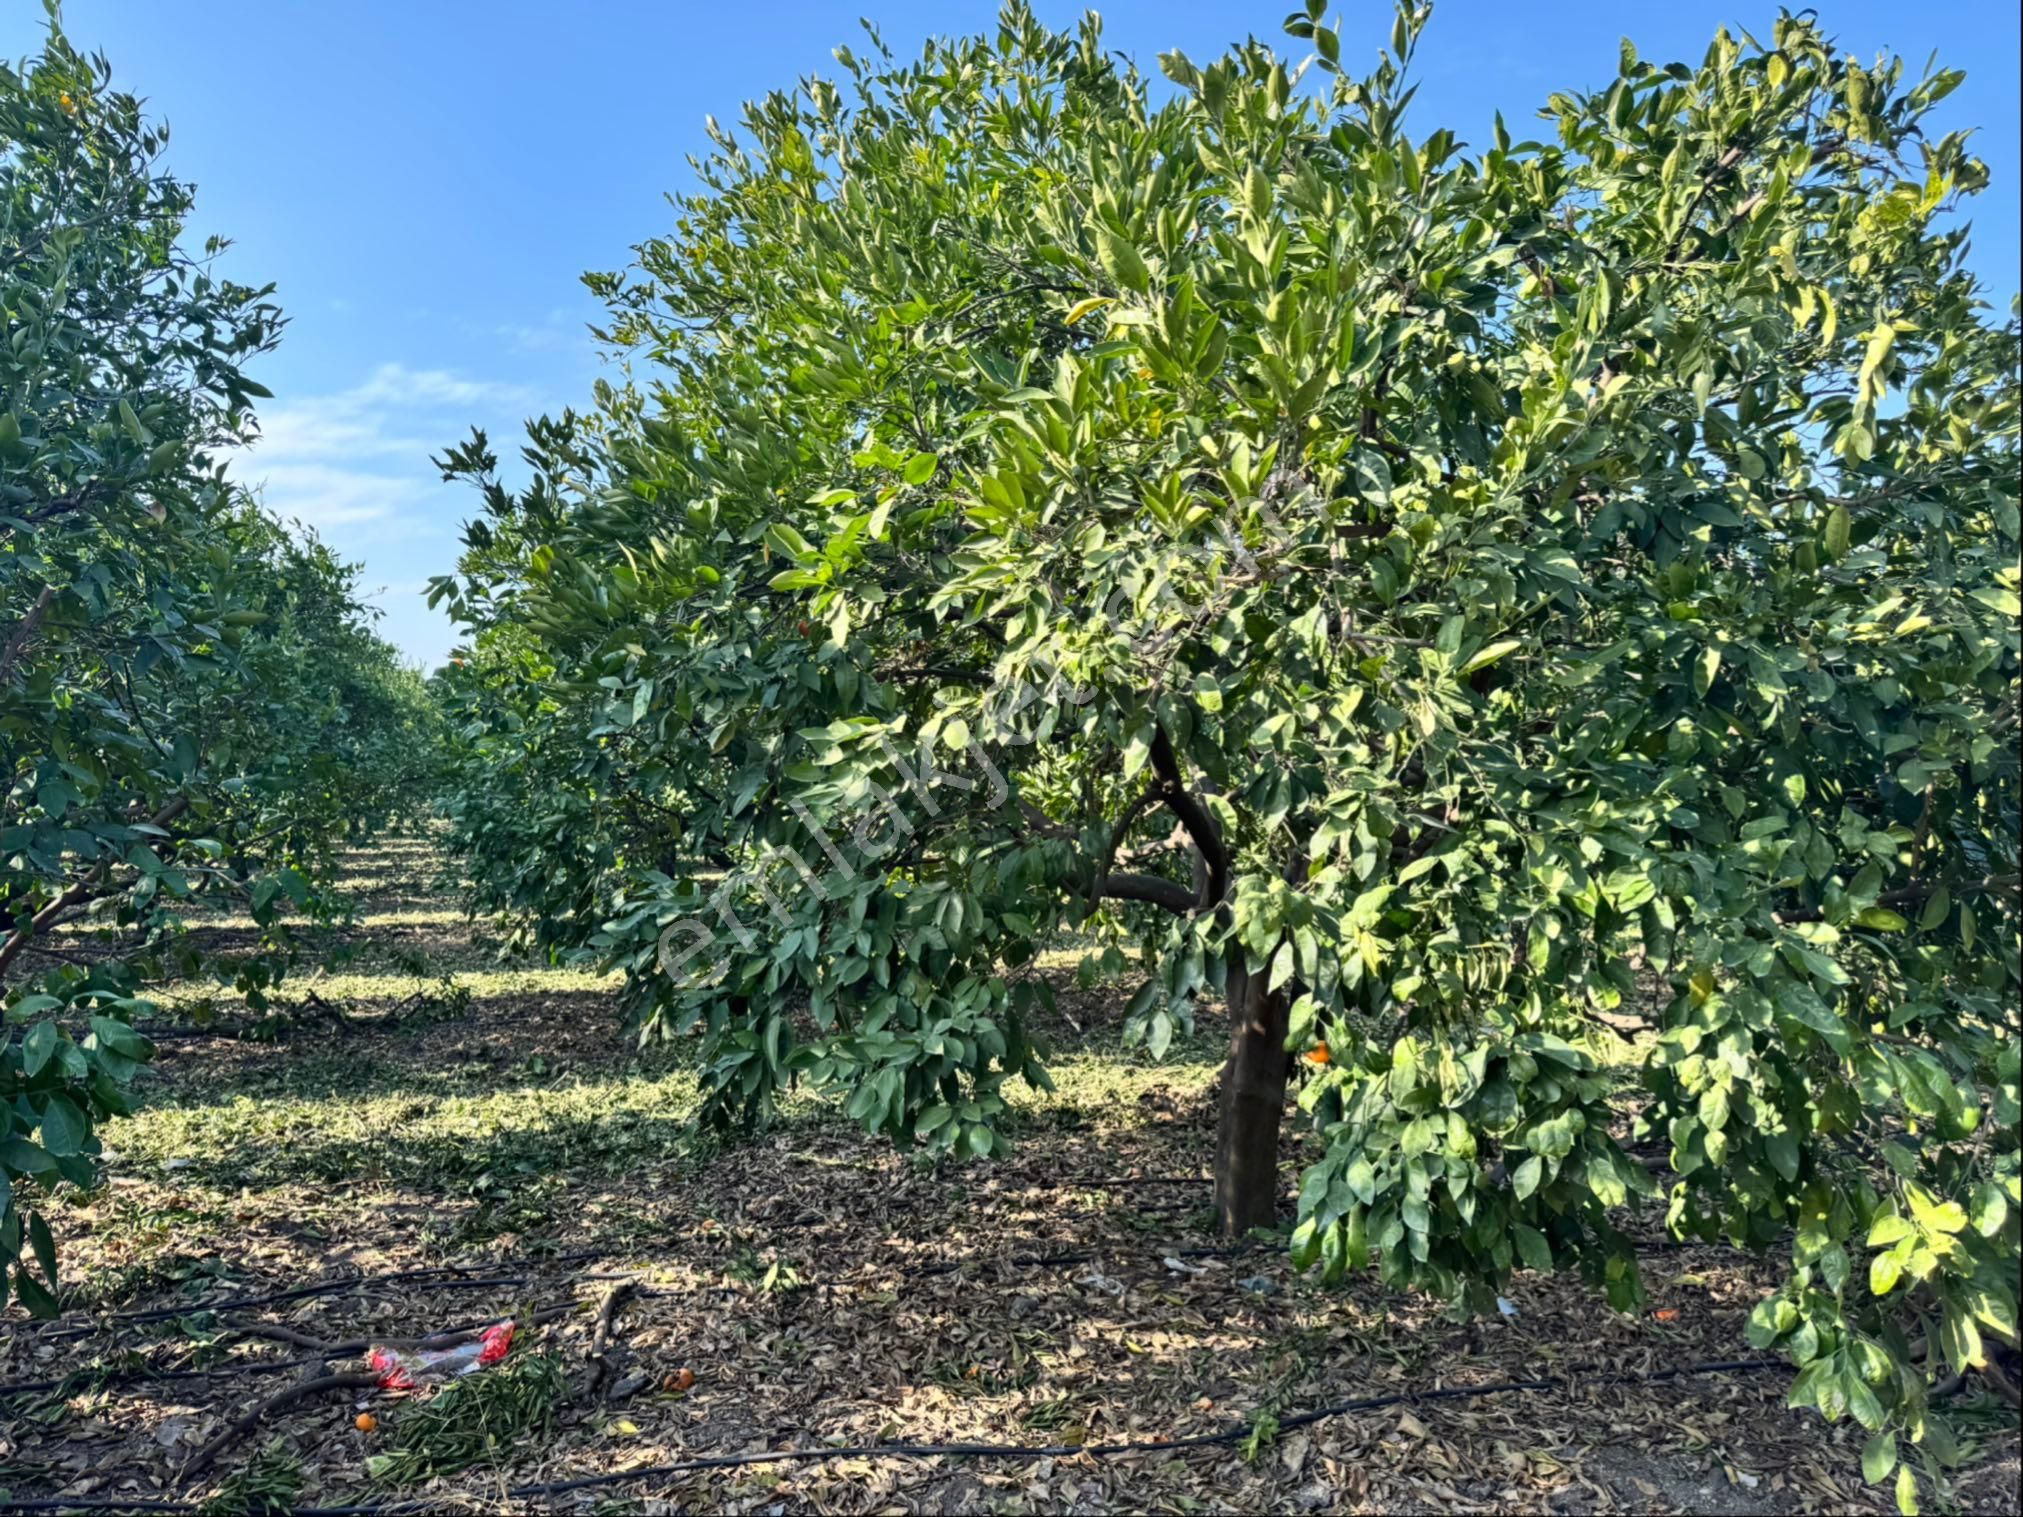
1150,888
1195,817
952,675
1117,834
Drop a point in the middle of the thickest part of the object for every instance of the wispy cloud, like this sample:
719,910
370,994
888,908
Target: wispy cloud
552,333
360,457
354,466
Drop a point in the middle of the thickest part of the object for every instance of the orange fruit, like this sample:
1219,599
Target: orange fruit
1666,1314
365,1422
680,1380
1318,1054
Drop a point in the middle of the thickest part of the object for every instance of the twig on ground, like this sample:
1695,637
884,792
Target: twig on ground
246,1422
600,1334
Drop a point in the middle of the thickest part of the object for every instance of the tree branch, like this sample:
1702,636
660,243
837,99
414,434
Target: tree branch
240,1426
1195,817
24,630
1117,833
1153,890
78,890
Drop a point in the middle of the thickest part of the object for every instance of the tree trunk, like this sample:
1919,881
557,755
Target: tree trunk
1253,1102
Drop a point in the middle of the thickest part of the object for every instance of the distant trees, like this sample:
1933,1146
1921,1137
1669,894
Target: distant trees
1436,596
192,700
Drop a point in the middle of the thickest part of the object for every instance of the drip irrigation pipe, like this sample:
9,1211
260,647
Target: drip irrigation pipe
1037,1261
300,1293
436,1277
149,1377
351,1349
1233,1434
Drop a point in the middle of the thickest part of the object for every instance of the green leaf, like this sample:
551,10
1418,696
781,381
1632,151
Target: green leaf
1879,1457
37,1048
1705,670
1991,1209
782,538
39,1302
1782,1149
1889,1228
120,1038
1833,537
1937,909
1935,1215
1532,1246
1960,1339
64,1127
1884,1270
1121,262
25,1158
44,1244
1491,654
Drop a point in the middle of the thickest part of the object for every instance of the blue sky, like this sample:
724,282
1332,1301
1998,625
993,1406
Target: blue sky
425,179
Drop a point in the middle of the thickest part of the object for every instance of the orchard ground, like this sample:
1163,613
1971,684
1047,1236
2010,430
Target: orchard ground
436,1107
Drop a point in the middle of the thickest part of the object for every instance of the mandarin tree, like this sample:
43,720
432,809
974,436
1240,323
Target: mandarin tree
1437,597
192,699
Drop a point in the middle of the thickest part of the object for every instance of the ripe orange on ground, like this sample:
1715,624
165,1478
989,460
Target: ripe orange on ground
365,1422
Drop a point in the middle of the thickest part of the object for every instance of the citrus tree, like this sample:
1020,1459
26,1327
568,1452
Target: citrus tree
192,700
1437,596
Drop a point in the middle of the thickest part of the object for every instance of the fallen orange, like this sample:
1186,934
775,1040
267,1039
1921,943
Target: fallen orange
1666,1314
365,1422
681,1380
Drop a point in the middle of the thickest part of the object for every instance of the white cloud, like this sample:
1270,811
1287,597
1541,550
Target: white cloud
354,466
362,455
553,332
396,384
323,496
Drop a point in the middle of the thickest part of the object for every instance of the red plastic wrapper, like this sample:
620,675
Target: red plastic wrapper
402,1369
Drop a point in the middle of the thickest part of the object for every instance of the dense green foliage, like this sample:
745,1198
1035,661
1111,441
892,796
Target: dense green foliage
192,700
1473,590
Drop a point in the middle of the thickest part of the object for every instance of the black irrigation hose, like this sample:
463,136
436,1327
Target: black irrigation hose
145,1376
300,1293
142,1504
1233,1434
1035,1261
417,1279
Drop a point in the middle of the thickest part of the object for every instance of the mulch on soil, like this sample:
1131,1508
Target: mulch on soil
515,1157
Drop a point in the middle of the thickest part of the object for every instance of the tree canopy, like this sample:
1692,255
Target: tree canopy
1443,596
192,699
